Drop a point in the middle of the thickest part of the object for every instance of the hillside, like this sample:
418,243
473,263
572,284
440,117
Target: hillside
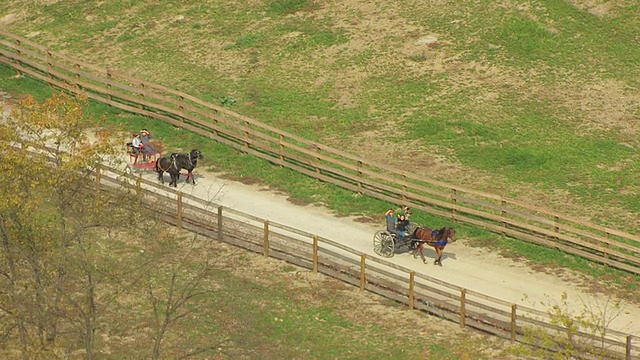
536,101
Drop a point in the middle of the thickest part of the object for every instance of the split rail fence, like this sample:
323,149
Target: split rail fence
496,213
321,255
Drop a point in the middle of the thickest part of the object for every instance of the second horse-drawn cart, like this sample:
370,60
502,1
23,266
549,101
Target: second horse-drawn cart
144,160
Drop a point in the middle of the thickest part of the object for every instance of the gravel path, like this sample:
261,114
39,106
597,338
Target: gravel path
471,268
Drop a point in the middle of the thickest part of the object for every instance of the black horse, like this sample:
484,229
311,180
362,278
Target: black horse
176,162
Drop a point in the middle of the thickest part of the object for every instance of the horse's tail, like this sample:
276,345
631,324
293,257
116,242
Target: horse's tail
158,165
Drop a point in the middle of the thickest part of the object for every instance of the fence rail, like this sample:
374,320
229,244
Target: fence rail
418,291
460,204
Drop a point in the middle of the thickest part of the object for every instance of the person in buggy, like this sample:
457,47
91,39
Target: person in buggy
402,221
147,147
397,225
135,145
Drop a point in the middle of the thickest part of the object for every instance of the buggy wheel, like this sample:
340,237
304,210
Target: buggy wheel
384,244
412,228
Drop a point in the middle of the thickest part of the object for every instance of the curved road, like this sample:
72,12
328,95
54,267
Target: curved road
467,267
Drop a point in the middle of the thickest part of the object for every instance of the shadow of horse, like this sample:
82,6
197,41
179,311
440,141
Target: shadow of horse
175,163
432,253
438,239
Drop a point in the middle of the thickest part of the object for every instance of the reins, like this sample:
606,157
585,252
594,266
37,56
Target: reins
446,236
173,162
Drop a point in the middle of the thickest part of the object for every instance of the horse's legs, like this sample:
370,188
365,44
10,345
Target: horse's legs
174,178
190,176
160,177
439,259
421,249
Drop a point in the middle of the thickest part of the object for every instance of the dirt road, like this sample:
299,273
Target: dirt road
464,266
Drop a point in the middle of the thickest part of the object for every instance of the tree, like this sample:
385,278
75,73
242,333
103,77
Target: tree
46,218
576,333
66,260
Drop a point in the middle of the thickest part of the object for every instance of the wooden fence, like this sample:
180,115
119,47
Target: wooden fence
321,255
459,204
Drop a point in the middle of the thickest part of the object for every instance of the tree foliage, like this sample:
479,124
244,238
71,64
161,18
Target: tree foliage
577,333
49,271
63,271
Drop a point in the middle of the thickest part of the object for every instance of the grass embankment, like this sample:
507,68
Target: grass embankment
302,189
535,103
119,275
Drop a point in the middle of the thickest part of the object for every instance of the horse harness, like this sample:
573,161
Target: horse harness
439,237
173,158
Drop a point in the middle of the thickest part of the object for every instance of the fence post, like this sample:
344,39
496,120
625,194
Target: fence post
181,107
281,149
49,65
317,159
109,97
454,202
19,53
141,96
77,77
606,249
98,178
220,223
359,177
139,188
315,254
179,223
215,127
411,284
404,188
246,137
265,249
628,349
503,213
362,271
513,322
463,311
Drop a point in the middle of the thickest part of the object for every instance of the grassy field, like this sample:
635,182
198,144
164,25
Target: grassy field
260,308
536,101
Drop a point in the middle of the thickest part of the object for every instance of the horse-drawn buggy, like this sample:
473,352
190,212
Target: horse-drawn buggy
146,157
146,154
386,242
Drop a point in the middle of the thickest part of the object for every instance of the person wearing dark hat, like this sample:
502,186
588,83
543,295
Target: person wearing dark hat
402,222
147,146
391,222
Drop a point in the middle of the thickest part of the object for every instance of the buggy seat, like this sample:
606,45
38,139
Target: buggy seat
151,156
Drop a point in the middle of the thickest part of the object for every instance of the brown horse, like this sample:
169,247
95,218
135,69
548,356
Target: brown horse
434,237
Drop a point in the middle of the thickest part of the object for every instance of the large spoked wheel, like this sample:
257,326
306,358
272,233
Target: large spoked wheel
384,244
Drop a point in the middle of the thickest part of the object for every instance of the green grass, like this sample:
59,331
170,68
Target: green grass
246,168
316,329
284,7
505,100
